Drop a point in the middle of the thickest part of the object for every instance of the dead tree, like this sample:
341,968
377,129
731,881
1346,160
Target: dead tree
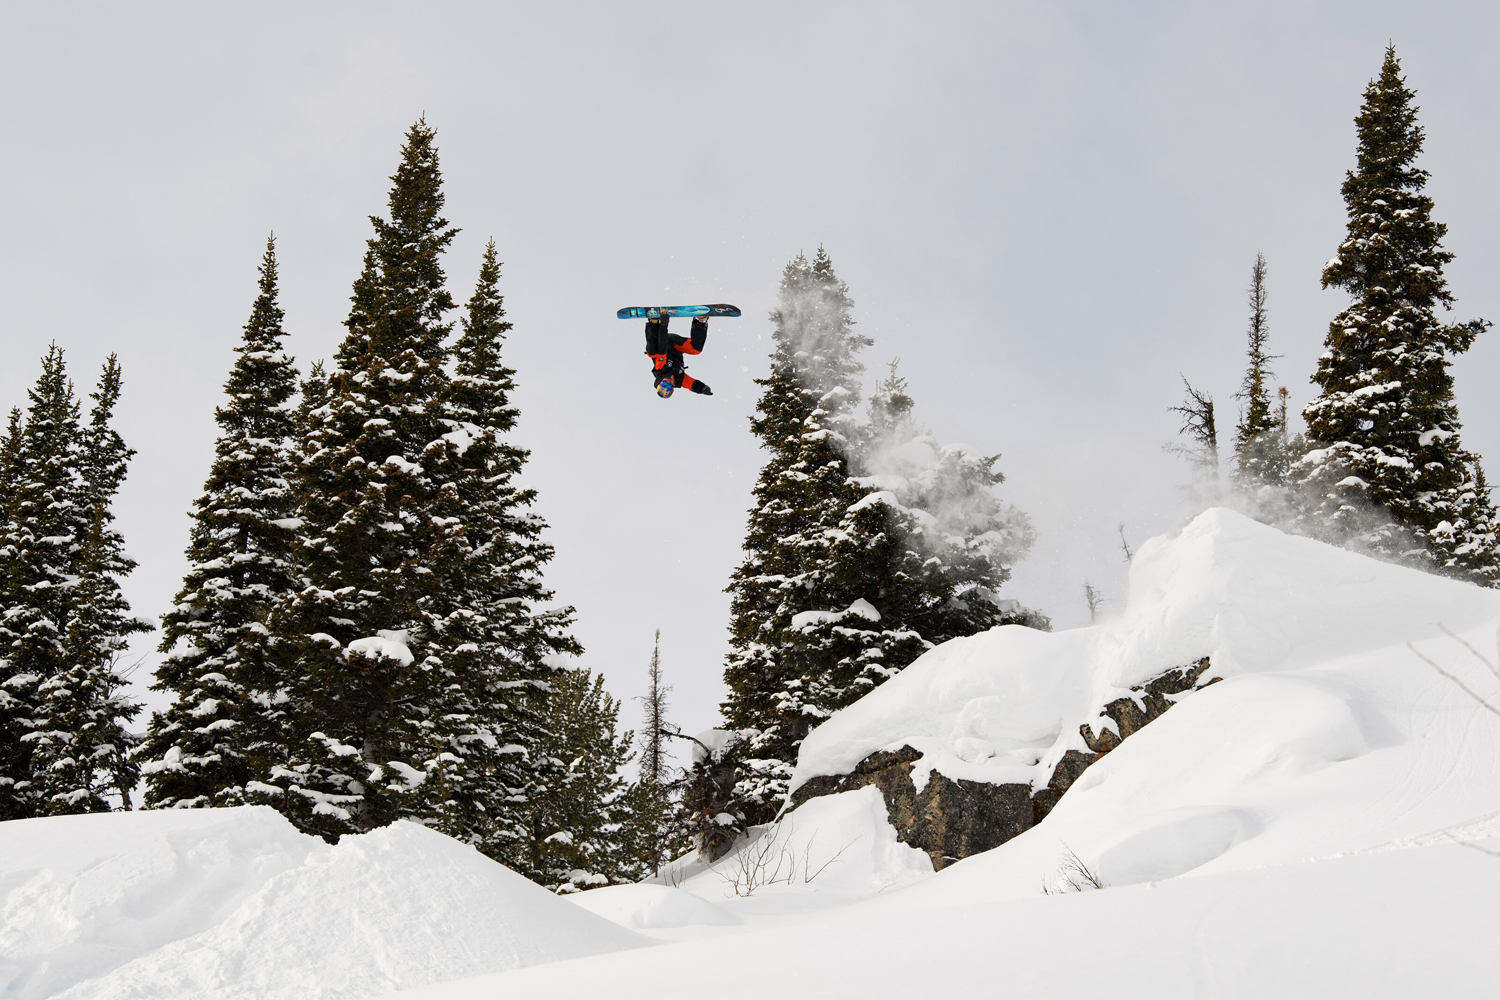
1198,426
653,751
1094,599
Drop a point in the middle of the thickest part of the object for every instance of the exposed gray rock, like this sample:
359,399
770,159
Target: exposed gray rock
1148,702
953,819
948,819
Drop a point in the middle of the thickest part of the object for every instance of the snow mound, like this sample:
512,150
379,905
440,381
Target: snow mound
1173,841
645,905
235,903
840,848
1005,705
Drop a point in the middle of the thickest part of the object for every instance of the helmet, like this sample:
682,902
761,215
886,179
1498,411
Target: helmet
664,388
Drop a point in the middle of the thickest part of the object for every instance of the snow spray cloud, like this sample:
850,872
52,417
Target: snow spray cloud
943,494
816,339
1288,505
946,490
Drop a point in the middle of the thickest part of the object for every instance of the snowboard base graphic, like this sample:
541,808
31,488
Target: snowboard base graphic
653,312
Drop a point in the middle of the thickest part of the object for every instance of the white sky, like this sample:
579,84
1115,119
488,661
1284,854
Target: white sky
1047,211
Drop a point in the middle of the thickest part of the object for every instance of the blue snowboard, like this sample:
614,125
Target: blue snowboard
652,312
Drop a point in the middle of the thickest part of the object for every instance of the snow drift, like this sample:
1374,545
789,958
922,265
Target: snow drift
1005,705
1326,734
234,903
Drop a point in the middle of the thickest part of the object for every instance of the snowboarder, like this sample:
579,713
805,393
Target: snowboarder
666,350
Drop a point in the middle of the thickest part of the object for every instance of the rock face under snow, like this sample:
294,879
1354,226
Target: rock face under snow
949,819
976,741
952,819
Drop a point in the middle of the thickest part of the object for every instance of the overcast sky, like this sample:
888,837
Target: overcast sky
1047,211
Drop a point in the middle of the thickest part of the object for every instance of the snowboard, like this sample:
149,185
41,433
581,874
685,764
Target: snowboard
653,312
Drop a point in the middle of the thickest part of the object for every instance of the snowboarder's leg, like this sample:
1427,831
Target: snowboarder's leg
694,341
657,344
697,337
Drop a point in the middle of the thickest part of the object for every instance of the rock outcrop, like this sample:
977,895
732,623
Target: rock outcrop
953,819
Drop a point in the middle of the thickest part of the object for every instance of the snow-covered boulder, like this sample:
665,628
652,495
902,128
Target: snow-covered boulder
975,742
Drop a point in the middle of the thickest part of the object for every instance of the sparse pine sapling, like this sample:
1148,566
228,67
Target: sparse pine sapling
1260,458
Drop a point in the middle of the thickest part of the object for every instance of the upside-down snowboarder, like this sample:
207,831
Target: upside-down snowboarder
666,349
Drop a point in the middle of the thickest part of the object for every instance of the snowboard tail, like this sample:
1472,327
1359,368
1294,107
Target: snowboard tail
653,312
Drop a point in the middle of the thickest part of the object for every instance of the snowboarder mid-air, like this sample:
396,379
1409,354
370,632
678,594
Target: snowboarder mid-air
666,350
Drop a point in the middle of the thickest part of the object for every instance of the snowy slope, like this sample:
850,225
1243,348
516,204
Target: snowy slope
1313,825
1392,926
234,903
1329,802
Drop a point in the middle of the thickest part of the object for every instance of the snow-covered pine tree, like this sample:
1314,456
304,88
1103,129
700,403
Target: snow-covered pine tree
806,420
10,461
1383,432
362,663
13,709
581,833
314,395
37,541
1260,459
81,751
204,747
491,609
80,757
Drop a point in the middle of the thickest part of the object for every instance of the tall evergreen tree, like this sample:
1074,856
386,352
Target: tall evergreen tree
15,767
493,601
37,551
1260,459
1384,429
806,419
416,659
359,643
68,622
209,742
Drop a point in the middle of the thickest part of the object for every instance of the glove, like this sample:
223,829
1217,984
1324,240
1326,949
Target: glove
702,389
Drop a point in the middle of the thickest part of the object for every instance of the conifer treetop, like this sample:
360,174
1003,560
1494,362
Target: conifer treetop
408,249
1393,242
482,382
